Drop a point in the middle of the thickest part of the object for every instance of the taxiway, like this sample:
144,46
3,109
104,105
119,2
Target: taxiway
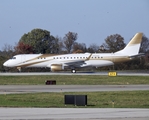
13,89
73,114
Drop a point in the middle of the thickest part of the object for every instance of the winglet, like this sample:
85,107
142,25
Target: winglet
88,57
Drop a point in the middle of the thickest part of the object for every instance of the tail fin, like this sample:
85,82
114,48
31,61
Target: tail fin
133,47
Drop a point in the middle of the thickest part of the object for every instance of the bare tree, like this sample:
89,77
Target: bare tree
114,43
93,48
79,47
69,41
144,44
8,50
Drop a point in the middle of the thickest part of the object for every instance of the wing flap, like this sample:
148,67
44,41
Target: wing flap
75,63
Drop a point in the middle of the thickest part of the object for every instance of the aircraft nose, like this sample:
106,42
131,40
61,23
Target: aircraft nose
5,64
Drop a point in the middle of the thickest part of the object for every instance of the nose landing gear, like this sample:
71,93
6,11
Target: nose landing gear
19,69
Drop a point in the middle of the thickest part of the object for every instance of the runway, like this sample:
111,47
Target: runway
119,73
13,89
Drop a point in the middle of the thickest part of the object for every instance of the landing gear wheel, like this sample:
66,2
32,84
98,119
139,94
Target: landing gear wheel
73,71
19,69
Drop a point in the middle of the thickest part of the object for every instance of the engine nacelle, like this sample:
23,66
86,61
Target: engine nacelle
57,67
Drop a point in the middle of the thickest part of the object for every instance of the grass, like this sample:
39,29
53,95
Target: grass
131,99
74,80
122,99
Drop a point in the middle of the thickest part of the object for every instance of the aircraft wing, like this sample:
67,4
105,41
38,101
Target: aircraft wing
75,63
78,63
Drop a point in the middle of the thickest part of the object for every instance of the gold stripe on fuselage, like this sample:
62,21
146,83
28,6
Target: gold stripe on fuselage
114,59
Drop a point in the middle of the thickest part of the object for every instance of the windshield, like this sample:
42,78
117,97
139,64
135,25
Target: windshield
13,58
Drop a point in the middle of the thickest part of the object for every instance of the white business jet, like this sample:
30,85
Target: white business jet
57,62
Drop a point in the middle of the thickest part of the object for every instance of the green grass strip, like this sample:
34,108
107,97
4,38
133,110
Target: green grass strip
125,99
74,80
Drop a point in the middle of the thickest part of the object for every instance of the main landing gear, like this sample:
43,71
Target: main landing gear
73,71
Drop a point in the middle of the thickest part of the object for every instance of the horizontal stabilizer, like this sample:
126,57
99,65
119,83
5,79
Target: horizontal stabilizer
138,55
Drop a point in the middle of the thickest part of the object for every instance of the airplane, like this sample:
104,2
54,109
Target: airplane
58,62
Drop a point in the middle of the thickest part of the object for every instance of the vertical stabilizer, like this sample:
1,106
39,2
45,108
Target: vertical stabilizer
133,47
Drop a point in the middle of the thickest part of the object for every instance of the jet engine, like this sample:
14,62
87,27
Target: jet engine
57,67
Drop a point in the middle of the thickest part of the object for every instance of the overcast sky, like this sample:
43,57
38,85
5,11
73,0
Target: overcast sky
93,20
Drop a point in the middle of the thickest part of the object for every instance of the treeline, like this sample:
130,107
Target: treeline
41,41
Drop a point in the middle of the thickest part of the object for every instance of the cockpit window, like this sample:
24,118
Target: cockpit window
13,58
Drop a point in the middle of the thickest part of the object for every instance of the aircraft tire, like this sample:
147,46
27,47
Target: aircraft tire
73,71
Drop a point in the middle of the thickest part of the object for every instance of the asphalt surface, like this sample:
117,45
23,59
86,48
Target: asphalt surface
121,73
12,89
71,113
